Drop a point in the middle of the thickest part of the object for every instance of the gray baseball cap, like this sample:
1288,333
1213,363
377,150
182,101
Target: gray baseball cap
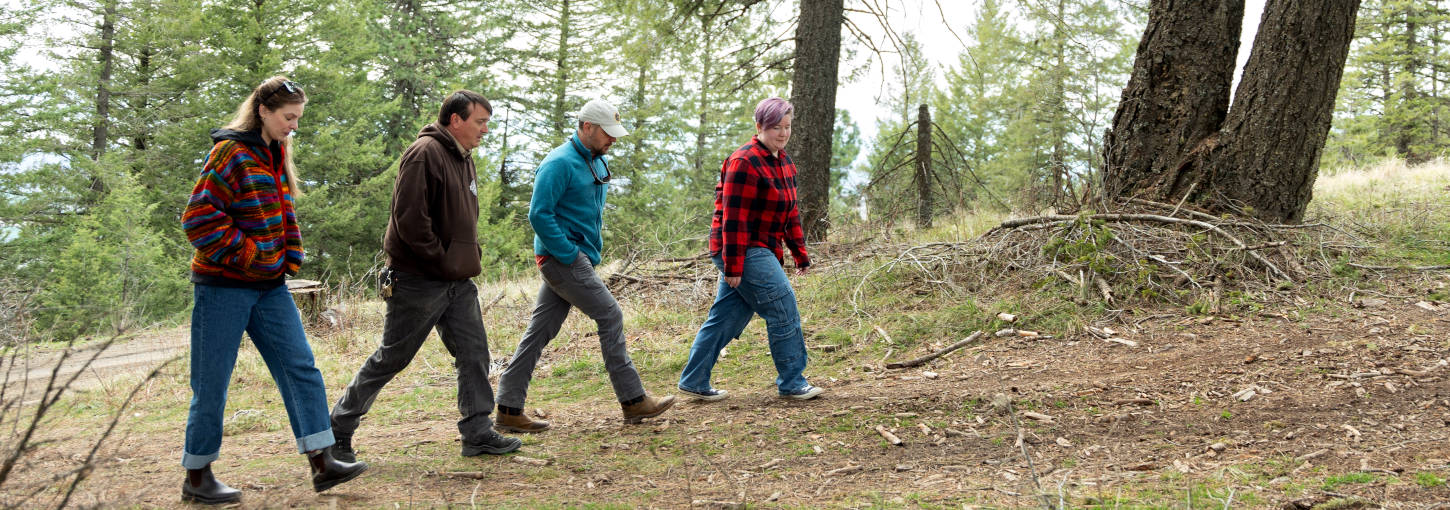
599,112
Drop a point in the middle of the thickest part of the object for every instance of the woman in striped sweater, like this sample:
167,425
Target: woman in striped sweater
241,222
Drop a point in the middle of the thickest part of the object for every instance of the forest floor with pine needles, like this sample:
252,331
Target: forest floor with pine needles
1330,393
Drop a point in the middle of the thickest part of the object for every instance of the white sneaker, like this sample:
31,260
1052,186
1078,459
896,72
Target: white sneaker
807,393
709,395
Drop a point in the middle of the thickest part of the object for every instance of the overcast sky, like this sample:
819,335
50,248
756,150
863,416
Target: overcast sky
924,18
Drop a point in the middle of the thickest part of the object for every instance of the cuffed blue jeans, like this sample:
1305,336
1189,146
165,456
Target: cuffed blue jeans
764,290
270,318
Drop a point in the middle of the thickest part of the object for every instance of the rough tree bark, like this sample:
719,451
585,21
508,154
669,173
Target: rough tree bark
923,167
1268,154
813,92
1263,158
1177,95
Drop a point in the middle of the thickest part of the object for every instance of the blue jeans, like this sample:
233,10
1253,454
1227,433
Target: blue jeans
764,290
270,318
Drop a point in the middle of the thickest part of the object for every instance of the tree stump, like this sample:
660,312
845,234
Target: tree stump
310,297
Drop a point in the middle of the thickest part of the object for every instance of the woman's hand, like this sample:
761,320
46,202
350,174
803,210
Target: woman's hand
802,270
732,281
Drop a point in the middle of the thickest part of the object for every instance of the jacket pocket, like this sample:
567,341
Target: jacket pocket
461,260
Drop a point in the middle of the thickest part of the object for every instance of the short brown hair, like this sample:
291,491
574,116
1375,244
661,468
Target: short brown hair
459,102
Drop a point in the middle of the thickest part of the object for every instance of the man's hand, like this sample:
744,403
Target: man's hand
802,270
732,281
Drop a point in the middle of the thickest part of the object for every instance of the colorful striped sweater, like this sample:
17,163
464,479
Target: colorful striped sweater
240,217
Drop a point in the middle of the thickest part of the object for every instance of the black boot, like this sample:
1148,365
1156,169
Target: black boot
342,450
327,472
201,487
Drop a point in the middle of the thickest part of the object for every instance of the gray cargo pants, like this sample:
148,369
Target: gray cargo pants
575,285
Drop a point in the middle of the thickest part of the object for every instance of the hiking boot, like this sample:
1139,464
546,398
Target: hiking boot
342,450
519,423
709,395
328,471
491,443
647,407
202,487
806,393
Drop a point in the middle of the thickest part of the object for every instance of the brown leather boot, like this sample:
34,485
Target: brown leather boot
519,423
647,407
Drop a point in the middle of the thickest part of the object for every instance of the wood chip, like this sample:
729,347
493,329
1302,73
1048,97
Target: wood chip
951,432
771,464
930,375
924,429
843,471
895,441
1135,401
1311,455
1037,416
530,460
1353,432
1218,447
1123,341
717,505
1005,332
1006,317
1063,442
1026,333
885,336
904,467
1427,306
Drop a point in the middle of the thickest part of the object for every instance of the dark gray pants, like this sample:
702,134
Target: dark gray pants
416,306
564,286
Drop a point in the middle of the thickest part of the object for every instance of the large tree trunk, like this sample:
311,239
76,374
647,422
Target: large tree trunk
1261,160
813,92
1267,155
1177,95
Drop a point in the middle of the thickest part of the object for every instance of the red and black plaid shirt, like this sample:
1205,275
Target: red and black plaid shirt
755,205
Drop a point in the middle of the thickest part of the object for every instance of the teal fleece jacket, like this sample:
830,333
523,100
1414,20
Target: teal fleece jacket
567,209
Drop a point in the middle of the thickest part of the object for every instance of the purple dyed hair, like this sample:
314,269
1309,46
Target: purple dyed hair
769,112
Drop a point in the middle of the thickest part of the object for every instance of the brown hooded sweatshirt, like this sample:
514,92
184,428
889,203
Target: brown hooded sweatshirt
433,224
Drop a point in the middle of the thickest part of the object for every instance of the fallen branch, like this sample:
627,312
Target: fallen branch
1401,268
472,475
922,360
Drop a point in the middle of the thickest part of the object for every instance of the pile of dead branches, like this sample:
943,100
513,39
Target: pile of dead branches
1142,250
686,278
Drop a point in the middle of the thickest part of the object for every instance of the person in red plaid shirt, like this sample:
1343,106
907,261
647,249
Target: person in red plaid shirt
756,218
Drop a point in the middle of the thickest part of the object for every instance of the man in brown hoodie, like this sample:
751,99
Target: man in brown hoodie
432,249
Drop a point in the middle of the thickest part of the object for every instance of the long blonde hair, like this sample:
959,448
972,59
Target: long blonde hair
249,118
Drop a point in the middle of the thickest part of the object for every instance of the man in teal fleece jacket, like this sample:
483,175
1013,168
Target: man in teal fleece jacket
567,213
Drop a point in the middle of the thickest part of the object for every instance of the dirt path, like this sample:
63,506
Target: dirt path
97,365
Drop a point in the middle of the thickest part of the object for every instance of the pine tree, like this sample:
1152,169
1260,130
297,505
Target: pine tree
1393,92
